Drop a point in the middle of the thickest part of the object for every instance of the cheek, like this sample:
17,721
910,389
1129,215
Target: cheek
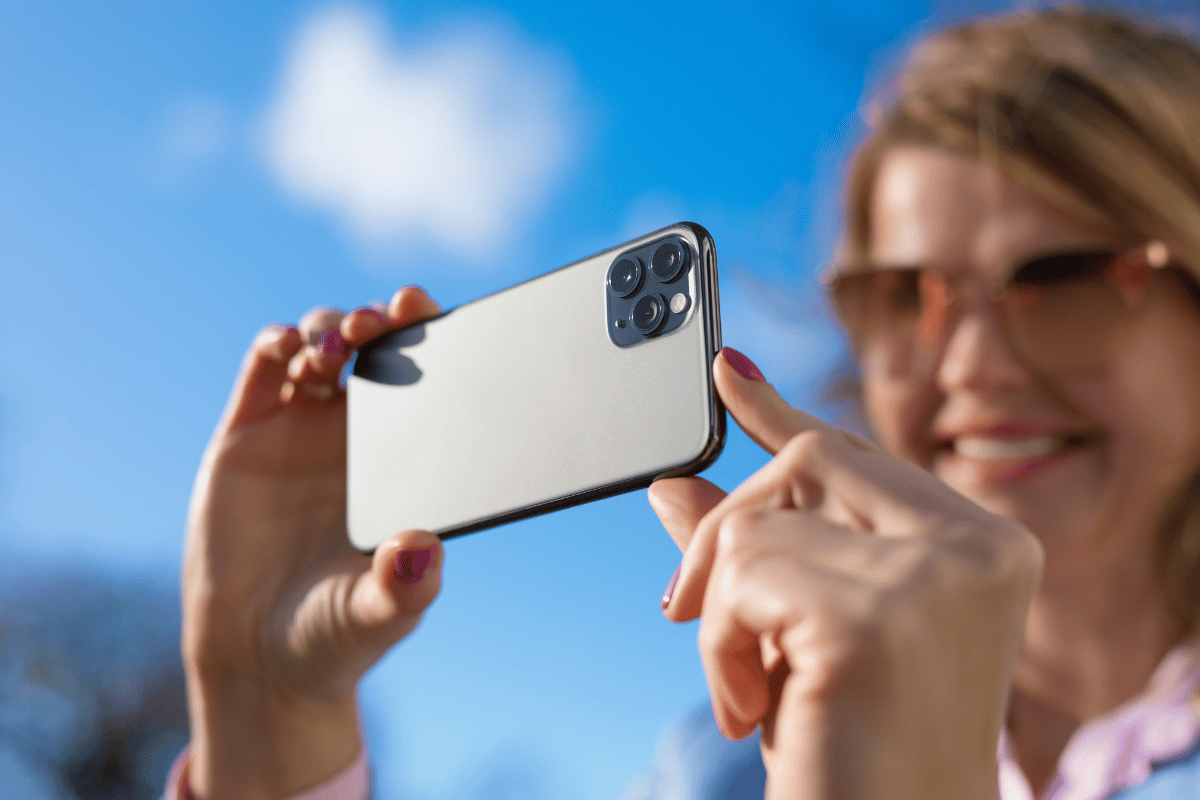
1149,403
1161,367
1159,414
899,419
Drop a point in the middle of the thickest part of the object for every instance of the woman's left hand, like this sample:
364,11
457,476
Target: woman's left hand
861,612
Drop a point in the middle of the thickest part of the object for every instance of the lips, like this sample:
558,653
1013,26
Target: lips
992,449
1003,456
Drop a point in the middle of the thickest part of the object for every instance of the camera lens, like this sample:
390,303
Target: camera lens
648,313
668,261
625,276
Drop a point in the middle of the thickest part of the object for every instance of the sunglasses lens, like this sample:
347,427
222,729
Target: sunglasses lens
1061,312
880,309
1064,311
1062,269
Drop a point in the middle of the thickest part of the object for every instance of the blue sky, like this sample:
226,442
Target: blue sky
170,181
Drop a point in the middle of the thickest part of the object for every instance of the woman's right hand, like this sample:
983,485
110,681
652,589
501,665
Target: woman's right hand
281,615
862,613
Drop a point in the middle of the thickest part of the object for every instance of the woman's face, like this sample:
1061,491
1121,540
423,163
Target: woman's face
1114,446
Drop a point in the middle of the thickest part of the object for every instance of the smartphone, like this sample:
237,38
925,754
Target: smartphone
585,382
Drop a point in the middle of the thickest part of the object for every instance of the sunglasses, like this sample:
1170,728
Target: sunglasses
1061,311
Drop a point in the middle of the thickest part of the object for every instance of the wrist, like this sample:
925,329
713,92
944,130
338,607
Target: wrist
249,745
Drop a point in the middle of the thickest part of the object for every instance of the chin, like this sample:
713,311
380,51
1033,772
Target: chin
1062,518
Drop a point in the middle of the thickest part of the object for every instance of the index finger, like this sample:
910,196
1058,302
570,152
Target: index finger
408,306
845,478
760,410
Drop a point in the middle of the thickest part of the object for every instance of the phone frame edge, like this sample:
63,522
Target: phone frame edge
714,444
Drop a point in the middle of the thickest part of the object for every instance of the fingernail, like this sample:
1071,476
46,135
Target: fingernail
374,312
670,590
332,342
413,565
742,365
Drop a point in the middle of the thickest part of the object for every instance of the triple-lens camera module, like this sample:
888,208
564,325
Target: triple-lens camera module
644,302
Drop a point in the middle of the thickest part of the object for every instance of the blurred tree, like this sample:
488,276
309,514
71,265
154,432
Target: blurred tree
92,703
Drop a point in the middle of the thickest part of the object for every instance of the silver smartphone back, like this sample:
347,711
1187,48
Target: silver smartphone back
544,395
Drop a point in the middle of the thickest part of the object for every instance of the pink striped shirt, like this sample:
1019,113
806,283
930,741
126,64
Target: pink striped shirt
1118,750
1111,752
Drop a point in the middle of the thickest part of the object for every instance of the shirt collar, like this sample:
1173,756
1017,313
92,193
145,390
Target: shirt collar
1120,748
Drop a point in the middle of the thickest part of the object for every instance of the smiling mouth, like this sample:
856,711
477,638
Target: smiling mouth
994,461
996,449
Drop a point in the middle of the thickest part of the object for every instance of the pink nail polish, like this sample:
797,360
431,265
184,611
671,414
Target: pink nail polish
742,365
332,342
670,590
413,565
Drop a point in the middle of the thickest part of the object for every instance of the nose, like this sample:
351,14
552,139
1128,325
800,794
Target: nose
979,357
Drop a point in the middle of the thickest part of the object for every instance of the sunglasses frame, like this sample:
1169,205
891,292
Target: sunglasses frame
1149,256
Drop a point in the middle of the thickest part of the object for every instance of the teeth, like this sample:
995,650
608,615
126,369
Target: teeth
982,447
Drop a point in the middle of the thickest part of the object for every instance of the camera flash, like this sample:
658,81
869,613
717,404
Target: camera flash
679,302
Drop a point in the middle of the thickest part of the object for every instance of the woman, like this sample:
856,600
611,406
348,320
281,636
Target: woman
1015,561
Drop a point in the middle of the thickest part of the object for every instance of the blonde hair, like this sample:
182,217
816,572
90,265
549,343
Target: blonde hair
1096,113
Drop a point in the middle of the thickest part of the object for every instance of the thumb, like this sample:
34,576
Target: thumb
388,599
760,410
681,503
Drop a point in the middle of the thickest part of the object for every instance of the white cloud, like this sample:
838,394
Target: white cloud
452,141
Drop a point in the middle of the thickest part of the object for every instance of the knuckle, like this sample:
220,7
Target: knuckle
737,558
1019,558
844,648
998,555
736,549
320,318
805,445
802,458
268,332
958,582
271,342
808,448
1024,549
732,533
708,639
297,366
860,442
